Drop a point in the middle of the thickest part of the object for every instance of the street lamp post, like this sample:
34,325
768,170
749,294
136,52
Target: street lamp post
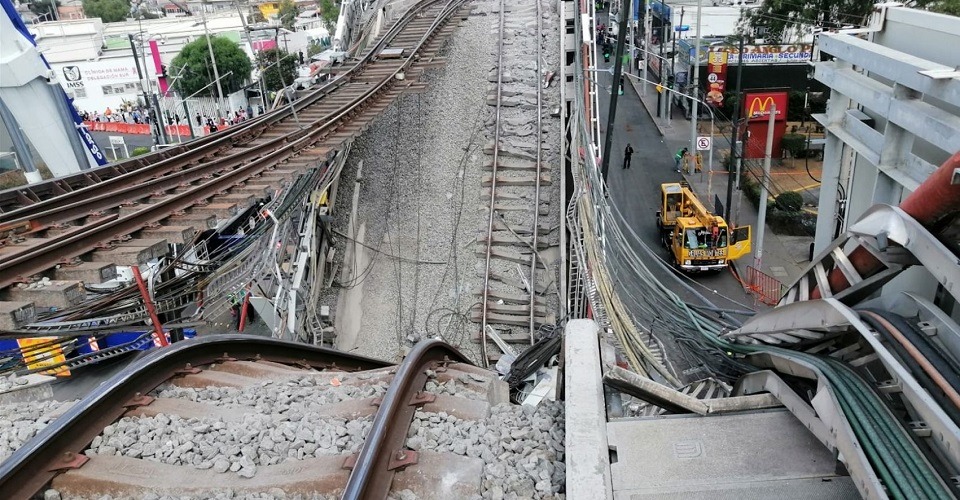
673,67
695,81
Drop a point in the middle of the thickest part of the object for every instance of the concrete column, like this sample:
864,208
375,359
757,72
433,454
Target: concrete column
586,447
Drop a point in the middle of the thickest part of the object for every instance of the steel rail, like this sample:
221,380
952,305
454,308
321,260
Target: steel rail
536,196
484,309
86,238
202,147
372,475
32,466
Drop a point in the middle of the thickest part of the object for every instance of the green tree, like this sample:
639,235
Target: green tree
785,21
277,74
288,14
199,70
949,7
110,11
329,12
42,7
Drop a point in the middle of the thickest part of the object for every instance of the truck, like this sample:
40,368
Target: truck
698,240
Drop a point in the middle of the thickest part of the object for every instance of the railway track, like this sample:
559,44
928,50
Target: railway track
250,416
171,196
512,305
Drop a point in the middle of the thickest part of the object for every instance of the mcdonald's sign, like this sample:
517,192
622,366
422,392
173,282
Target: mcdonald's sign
757,105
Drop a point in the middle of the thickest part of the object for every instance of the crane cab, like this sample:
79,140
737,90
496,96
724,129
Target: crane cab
697,239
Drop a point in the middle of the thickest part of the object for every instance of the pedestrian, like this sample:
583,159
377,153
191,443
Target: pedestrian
249,111
199,120
677,158
620,91
627,156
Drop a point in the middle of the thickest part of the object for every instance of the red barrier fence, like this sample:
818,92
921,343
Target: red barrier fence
142,128
767,288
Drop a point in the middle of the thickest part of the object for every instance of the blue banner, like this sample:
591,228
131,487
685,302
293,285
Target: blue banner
11,12
662,10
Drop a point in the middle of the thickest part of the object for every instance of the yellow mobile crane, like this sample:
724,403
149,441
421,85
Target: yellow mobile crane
697,239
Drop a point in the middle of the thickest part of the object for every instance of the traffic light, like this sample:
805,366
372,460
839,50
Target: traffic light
670,81
163,71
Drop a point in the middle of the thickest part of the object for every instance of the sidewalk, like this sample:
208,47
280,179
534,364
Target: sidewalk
784,257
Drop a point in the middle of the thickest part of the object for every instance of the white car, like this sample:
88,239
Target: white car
305,82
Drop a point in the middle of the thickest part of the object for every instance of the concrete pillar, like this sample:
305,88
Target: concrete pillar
586,447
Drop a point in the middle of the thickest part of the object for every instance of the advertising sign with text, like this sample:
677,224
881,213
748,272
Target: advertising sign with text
716,77
767,54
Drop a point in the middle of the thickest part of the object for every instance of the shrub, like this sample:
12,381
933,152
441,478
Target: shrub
790,201
139,150
795,144
792,223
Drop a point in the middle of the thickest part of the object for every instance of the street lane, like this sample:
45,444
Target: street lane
635,191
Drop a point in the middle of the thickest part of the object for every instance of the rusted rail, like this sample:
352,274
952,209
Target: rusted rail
59,447
229,163
33,466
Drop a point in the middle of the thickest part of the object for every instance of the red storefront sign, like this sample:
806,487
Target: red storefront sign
756,109
758,105
716,77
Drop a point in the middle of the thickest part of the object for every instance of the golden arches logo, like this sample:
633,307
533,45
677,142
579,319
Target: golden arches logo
759,106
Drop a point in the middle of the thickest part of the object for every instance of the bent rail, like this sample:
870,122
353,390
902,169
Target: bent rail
36,463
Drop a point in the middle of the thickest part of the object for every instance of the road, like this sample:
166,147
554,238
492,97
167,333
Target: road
636,191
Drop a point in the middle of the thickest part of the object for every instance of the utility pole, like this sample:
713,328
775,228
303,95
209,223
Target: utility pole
213,60
256,57
695,85
647,27
144,85
764,190
673,68
663,40
617,75
734,154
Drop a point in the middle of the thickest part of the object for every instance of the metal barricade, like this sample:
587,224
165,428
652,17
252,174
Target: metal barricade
766,288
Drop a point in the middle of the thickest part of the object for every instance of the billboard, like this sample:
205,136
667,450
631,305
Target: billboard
757,106
767,54
97,85
716,77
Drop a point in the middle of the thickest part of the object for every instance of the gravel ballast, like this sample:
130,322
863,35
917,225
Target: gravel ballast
422,202
19,422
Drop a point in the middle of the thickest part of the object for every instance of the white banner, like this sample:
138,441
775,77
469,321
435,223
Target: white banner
767,54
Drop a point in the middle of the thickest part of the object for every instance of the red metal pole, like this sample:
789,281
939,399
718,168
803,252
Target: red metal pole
159,336
934,199
243,310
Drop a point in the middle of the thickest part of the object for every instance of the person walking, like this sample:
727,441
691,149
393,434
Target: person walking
627,156
677,158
